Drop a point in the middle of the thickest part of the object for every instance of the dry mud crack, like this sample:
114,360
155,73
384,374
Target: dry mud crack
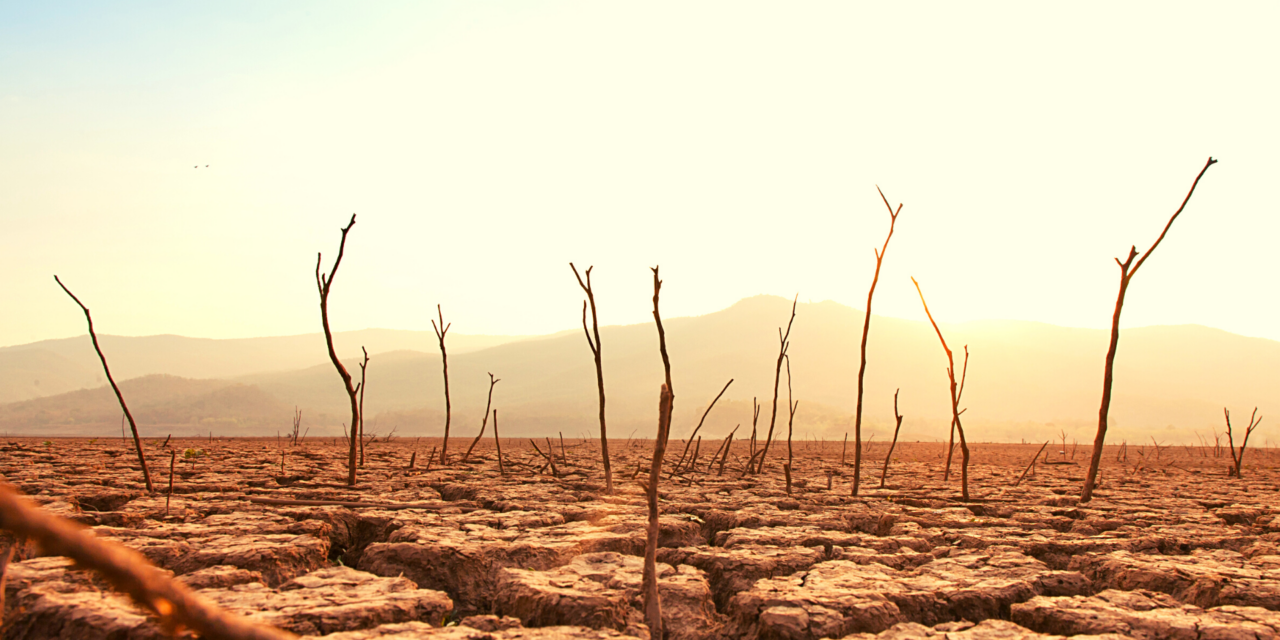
1164,551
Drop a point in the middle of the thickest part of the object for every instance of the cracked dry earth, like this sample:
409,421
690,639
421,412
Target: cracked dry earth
1168,548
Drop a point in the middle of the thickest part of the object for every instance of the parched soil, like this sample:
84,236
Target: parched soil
1169,548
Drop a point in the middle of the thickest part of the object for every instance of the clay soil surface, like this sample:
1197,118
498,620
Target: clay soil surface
1169,548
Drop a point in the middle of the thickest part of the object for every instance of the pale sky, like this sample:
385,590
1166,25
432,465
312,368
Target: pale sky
484,146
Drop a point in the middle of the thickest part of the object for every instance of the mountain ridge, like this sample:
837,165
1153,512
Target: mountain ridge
1025,379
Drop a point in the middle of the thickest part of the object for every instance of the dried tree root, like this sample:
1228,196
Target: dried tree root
176,606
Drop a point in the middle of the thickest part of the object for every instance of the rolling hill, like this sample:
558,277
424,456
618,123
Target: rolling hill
1026,380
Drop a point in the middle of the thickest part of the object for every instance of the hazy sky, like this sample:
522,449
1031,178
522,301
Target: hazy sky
486,145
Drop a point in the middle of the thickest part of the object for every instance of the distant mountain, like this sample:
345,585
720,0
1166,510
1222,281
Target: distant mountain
161,404
1026,380
52,367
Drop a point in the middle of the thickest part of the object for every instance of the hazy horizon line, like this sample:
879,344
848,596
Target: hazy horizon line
632,324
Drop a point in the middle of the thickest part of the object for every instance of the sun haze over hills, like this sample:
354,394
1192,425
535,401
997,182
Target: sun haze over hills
1025,380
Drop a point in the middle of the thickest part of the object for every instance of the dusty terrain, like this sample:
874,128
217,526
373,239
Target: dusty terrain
1169,548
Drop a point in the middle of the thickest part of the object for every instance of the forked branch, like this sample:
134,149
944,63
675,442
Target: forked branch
866,330
595,353
955,397
324,282
1127,270
441,330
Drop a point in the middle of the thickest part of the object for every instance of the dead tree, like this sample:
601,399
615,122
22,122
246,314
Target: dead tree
1238,459
955,398
684,453
595,353
1127,270
777,379
498,443
483,423
137,440
297,425
441,330
791,418
364,364
323,283
173,604
866,329
951,444
666,402
755,417
885,471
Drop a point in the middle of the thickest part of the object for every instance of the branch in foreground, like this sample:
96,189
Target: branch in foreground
176,606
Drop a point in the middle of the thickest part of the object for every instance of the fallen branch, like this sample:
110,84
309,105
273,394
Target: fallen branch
1033,463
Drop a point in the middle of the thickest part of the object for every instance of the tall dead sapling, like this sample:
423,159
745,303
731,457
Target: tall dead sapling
755,451
866,329
951,443
1127,270
595,353
885,471
492,381
777,379
296,436
676,468
791,418
93,336
323,283
666,402
755,418
1238,459
955,398
441,330
497,442
364,365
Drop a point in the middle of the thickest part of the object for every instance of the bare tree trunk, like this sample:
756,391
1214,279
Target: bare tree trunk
885,471
595,352
1238,460
777,379
951,443
137,440
724,457
498,443
666,403
363,366
323,284
489,403
791,419
755,417
1126,274
955,397
866,329
441,330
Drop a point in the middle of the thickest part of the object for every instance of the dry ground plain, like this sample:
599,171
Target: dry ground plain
1169,548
